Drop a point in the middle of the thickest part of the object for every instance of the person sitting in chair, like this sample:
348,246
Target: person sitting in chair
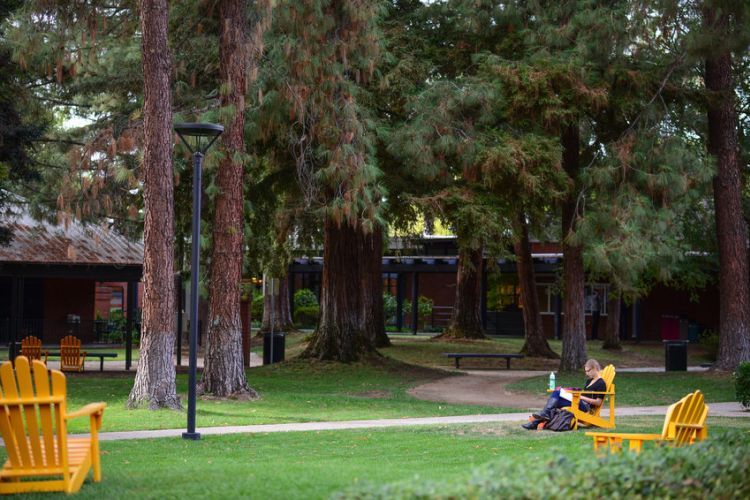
593,383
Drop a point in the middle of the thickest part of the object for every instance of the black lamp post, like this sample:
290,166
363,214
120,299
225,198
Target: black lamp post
203,136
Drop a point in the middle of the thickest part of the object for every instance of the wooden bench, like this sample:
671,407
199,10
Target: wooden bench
459,355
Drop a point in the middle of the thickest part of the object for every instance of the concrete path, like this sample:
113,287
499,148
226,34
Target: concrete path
717,410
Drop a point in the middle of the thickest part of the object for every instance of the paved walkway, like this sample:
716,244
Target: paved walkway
717,410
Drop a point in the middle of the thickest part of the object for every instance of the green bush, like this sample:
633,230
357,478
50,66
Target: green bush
716,468
742,383
710,340
304,297
307,316
256,308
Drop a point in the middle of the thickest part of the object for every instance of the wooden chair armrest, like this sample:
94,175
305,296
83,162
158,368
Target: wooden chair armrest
625,435
582,391
89,409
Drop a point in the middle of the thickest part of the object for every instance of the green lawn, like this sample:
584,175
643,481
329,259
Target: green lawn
296,391
646,389
314,465
424,351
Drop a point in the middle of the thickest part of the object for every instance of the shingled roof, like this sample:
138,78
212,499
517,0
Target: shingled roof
41,242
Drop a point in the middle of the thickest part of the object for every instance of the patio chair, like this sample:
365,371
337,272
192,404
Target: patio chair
71,356
31,347
33,424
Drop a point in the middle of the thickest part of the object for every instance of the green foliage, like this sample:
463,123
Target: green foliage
716,468
256,308
742,383
709,339
304,297
306,316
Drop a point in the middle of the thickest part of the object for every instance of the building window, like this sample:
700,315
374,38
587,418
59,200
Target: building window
594,294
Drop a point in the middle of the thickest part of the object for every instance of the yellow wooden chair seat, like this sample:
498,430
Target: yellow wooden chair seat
33,424
684,423
592,417
71,356
31,347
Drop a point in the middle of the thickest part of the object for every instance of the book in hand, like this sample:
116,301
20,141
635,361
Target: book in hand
564,394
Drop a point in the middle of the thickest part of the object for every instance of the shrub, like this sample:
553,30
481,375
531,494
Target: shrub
256,308
742,383
716,468
710,340
304,297
307,316
389,308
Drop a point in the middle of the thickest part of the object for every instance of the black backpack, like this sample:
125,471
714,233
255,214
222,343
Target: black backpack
561,421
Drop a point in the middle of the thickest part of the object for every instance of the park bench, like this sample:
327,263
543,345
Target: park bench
459,355
100,355
33,424
592,417
31,347
684,423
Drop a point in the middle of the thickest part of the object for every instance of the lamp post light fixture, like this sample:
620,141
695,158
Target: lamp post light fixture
202,135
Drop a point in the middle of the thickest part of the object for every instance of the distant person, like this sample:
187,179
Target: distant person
558,398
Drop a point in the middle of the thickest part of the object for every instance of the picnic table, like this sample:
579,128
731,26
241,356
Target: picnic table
459,355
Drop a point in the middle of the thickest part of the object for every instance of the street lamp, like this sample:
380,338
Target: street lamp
203,135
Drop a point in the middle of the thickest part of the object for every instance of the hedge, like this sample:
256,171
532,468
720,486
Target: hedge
716,468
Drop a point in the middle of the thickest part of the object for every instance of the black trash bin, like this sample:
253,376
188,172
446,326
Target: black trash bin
279,342
675,354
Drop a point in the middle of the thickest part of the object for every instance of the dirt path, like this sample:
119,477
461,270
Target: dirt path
481,388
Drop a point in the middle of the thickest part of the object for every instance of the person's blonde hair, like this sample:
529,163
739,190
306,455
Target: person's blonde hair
592,363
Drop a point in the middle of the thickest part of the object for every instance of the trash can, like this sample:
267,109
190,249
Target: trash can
675,354
279,342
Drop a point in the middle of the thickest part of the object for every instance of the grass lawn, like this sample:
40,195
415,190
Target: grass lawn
424,351
295,391
317,464
646,389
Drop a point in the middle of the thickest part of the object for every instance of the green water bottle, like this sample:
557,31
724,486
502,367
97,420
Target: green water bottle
551,381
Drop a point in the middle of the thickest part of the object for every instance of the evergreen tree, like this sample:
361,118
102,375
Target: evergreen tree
154,383
727,22
224,371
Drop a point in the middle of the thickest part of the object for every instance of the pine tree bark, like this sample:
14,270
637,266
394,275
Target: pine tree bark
224,370
612,333
535,344
731,230
154,384
574,325
466,321
373,320
340,336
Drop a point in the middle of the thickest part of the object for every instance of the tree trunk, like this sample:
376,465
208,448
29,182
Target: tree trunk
731,230
154,383
466,322
574,324
373,320
224,370
536,344
339,336
282,320
612,334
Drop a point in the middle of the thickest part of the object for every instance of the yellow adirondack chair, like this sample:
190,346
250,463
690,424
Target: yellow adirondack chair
71,356
33,423
31,347
684,423
592,417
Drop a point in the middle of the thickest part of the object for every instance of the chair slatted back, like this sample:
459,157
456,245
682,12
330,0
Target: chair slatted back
70,352
31,416
690,420
31,347
608,375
